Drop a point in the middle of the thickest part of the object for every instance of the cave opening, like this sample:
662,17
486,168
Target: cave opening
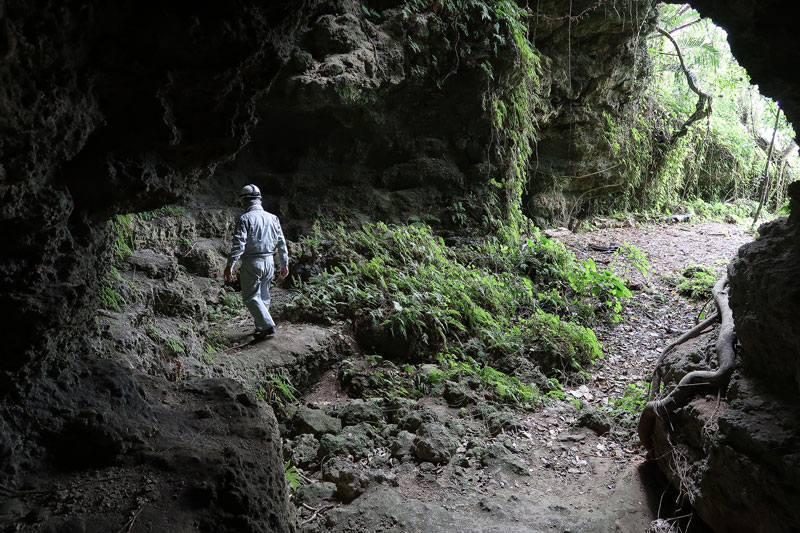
476,300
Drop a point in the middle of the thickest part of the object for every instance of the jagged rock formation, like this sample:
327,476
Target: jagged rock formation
733,456
110,108
387,116
598,64
736,456
767,308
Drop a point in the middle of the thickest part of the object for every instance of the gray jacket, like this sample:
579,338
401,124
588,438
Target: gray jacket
258,234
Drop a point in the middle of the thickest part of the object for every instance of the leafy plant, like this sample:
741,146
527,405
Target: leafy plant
698,280
630,256
604,285
633,399
165,211
122,225
109,298
404,280
279,389
292,476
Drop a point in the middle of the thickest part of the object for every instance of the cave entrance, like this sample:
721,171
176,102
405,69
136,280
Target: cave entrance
698,138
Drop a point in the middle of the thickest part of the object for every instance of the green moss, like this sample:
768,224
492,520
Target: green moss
175,211
491,38
698,280
122,226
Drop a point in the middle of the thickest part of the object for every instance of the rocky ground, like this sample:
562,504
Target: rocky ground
453,461
574,465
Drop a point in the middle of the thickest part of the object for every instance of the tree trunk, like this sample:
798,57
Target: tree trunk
765,186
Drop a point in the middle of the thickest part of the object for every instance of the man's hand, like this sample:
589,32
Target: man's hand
228,274
284,272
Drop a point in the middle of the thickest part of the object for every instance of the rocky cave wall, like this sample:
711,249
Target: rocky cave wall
362,125
117,108
110,108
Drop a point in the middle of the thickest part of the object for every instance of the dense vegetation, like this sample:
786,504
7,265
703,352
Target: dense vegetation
693,140
684,148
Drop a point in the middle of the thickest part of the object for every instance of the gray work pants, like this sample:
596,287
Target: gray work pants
256,274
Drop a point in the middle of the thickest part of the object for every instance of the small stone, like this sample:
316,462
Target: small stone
315,493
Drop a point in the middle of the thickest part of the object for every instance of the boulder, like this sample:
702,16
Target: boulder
316,422
205,258
155,265
735,455
303,450
350,480
357,441
357,411
765,300
402,444
434,443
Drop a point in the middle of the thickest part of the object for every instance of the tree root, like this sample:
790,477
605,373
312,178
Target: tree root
687,386
692,333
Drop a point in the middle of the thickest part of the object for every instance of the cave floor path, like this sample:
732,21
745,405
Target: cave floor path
565,477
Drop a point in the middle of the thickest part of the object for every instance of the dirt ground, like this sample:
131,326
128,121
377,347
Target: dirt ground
566,477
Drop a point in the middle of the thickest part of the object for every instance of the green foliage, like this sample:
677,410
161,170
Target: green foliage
508,388
498,386
166,211
634,398
109,298
698,280
278,390
228,305
108,293
629,256
483,35
122,225
172,342
213,344
404,279
604,285
722,157
293,479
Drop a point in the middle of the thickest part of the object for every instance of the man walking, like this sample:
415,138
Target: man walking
257,237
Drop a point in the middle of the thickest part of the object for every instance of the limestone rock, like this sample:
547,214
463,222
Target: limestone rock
402,444
765,300
356,441
315,493
304,450
594,419
350,480
434,443
457,394
734,456
206,258
316,422
154,264
418,417
356,411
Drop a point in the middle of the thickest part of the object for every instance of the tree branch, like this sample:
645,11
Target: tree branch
703,106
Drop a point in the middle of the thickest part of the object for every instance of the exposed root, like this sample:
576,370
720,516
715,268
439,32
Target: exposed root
692,333
317,512
680,395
